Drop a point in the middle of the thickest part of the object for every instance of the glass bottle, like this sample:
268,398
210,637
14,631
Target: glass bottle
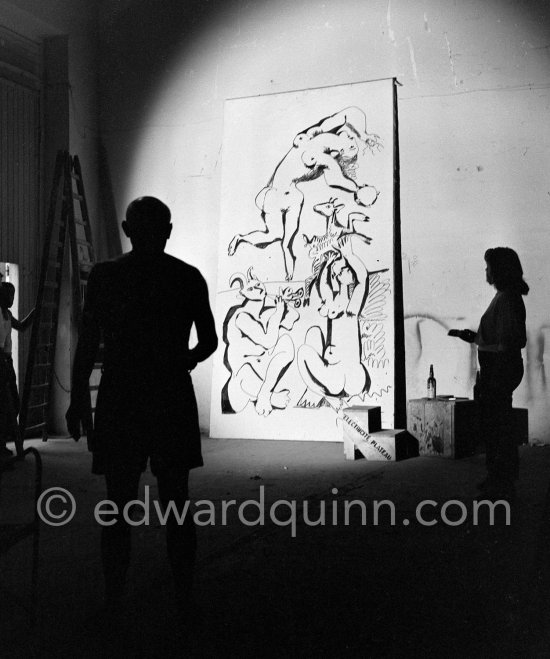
431,389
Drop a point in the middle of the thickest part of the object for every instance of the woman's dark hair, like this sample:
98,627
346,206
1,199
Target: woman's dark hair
506,269
4,299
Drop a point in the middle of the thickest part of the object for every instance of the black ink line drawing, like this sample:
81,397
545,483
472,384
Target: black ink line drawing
331,362
330,148
258,350
327,245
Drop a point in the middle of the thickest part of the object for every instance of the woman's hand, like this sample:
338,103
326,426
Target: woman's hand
466,334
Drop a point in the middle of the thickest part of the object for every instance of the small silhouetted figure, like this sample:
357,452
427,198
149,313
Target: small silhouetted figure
9,395
144,304
500,338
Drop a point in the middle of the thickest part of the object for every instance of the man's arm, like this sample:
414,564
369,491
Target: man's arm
204,325
86,351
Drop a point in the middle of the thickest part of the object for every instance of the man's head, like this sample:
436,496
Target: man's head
147,225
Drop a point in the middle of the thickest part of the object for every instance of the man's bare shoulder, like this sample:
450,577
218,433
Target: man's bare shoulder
182,268
104,268
130,266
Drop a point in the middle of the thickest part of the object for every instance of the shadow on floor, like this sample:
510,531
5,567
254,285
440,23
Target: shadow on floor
396,586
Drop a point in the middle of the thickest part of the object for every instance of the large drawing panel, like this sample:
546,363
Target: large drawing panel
305,295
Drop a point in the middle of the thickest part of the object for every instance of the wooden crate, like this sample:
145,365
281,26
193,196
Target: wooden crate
451,427
448,428
520,420
364,437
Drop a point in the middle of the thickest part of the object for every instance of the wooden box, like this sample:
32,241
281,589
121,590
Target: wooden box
364,437
520,420
445,427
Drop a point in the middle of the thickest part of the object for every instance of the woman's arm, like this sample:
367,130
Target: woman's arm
510,323
22,325
467,335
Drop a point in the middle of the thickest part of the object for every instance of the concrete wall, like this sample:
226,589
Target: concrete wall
473,133
69,30
474,139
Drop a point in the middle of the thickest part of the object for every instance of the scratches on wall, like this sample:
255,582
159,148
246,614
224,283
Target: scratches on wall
426,341
411,261
417,318
216,77
413,61
391,33
451,60
426,24
543,356
239,17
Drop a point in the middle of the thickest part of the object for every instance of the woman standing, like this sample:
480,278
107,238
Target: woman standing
8,415
9,396
500,338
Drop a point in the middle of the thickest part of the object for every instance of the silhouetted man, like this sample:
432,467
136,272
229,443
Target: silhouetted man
144,303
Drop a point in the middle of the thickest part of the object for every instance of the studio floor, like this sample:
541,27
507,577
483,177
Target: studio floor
287,588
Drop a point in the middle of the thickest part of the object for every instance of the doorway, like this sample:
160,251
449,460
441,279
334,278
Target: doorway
9,272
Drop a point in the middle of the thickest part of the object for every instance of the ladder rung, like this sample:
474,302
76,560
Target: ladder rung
42,346
38,406
94,387
36,426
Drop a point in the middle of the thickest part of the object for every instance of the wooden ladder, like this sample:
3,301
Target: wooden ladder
67,195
